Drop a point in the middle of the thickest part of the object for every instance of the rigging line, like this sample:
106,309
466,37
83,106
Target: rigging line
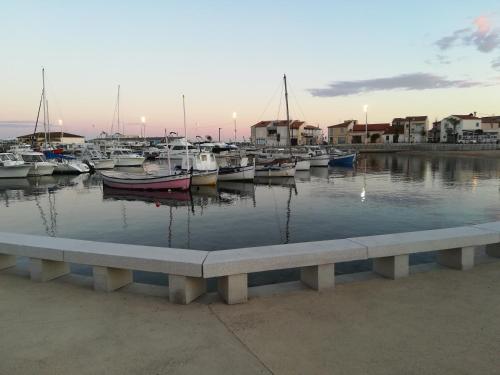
276,214
297,102
55,99
281,102
270,100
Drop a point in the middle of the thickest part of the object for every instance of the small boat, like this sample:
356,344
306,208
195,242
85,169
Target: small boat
124,157
318,156
235,168
155,180
302,164
275,168
10,167
97,160
65,164
38,163
342,159
203,167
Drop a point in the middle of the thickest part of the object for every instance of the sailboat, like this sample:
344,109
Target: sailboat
282,167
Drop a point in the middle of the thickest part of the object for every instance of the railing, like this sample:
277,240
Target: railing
395,147
188,270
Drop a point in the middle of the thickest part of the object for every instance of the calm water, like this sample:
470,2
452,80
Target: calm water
385,194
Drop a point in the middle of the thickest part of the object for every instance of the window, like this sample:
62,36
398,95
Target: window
477,124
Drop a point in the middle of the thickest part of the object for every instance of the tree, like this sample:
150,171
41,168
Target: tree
208,138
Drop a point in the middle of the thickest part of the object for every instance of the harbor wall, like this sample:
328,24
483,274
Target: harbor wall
423,147
189,270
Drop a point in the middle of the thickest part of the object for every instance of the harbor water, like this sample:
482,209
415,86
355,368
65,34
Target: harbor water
385,193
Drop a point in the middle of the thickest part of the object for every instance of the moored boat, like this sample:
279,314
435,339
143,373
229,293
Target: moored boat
235,168
97,160
276,168
147,181
126,158
342,158
10,167
38,163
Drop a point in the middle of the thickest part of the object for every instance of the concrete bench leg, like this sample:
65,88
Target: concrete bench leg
107,279
233,288
318,277
461,258
393,267
493,250
184,289
45,270
7,261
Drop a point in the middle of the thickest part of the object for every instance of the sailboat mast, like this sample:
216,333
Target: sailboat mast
287,117
118,108
185,131
44,107
33,139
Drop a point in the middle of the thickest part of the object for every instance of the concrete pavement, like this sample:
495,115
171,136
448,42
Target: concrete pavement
437,322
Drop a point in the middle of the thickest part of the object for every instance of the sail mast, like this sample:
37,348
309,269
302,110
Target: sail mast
185,131
33,139
287,117
44,107
118,109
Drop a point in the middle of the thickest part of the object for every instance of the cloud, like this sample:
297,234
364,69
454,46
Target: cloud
484,37
414,81
17,124
495,64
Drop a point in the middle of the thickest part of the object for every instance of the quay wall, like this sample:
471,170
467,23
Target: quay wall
188,270
399,147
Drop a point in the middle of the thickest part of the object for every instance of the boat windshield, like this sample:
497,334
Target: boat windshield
30,158
7,157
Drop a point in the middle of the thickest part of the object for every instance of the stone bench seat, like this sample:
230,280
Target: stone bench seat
390,252
112,263
315,259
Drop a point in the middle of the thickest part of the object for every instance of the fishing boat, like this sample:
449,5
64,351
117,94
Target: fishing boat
235,168
153,180
318,156
176,151
203,167
276,168
10,167
342,158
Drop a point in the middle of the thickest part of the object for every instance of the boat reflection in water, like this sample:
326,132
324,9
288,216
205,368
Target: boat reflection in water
280,181
166,198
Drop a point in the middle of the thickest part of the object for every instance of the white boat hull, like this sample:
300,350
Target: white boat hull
320,161
203,178
15,171
41,169
129,162
240,174
71,168
282,171
103,164
303,165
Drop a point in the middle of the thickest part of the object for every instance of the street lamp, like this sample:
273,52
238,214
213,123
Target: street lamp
219,134
234,119
365,109
143,126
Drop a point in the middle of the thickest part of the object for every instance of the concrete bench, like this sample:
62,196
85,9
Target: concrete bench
492,249
112,263
315,259
455,248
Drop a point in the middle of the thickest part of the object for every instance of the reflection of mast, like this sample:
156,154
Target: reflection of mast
288,213
170,228
50,230
124,216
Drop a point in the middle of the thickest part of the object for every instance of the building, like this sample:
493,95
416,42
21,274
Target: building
415,129
53,138
460,128
275,133
375,133
394,134
339,134
490,127
434,134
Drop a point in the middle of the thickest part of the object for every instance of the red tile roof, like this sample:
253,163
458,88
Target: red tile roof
345,124
312,127
294,124
416,118
466,117
371,127
490,119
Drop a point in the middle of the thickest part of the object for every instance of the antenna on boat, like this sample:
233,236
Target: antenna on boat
44,107
287,117
185,131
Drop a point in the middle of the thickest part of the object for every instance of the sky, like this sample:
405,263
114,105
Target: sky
430,58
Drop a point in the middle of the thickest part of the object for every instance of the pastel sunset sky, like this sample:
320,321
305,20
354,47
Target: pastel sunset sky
401,58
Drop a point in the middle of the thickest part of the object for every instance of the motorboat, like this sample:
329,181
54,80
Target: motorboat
152,180
203,167
318,156
235,168
301,158
67,165
97,159
39,166
124,157
176,151
10,167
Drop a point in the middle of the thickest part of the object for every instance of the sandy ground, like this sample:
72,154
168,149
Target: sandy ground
437,322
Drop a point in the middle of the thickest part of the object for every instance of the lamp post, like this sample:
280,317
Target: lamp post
143,126
365,109
234,119
219,134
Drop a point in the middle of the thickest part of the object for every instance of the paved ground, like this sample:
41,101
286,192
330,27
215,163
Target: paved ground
437,322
